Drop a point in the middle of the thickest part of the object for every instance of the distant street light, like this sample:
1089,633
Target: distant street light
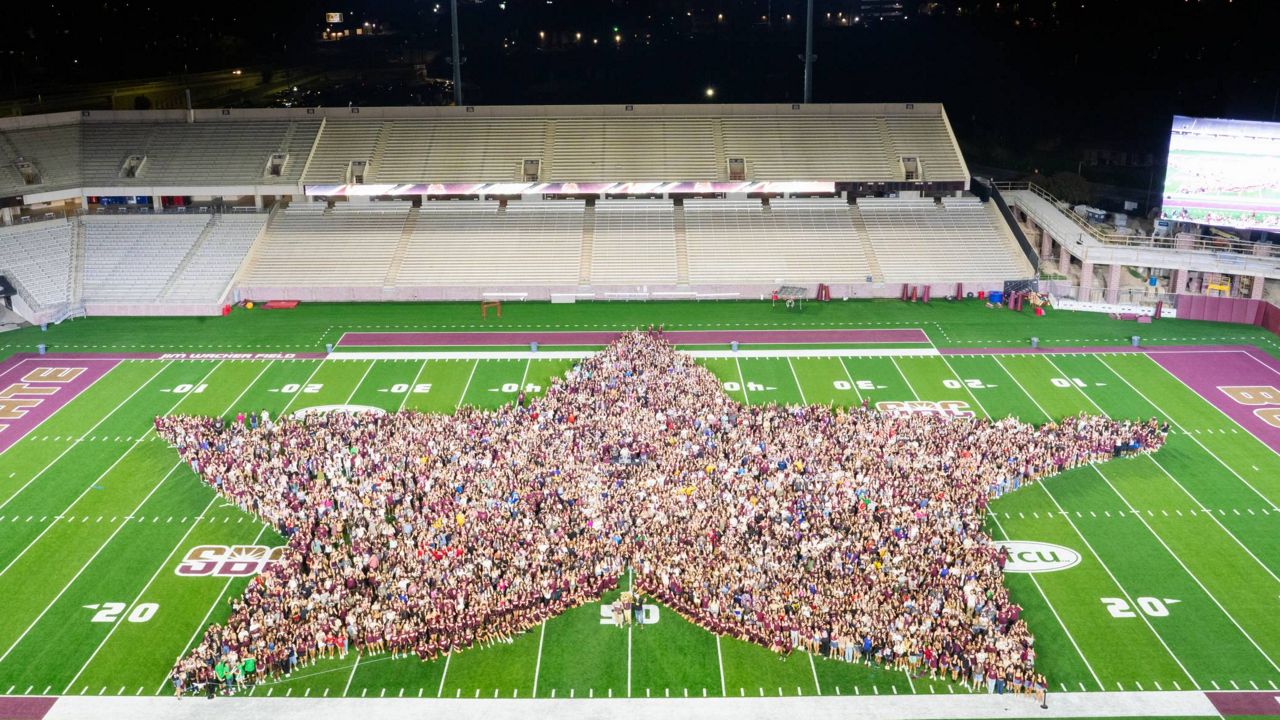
711,92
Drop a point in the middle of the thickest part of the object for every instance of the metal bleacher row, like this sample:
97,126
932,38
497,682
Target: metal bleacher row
190,259
483,244
606,149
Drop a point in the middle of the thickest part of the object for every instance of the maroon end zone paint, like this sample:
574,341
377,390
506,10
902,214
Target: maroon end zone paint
1207,372
1099,349
32,389
676,337
25,708
1246,703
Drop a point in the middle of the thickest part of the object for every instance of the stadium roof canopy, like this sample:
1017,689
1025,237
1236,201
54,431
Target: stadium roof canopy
278,151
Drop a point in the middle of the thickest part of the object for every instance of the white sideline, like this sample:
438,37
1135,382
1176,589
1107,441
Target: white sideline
883,707
580,354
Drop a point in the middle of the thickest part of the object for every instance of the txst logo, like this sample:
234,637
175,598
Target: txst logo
1033,557
945,408
223,561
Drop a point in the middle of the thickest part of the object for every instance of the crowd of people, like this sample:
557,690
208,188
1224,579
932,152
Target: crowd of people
853,534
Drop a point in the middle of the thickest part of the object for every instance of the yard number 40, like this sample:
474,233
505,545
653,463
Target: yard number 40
1151,607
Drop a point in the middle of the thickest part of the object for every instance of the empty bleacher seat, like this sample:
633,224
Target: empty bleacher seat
795,241
130,258
214,262
342,247
474,243
38,256
634,243
960,240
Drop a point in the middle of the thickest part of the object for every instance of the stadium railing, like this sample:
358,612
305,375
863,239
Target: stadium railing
1183,242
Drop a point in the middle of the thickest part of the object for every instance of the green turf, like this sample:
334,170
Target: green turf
1194,523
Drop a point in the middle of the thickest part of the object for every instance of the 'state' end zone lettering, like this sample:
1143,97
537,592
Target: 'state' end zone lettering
41,391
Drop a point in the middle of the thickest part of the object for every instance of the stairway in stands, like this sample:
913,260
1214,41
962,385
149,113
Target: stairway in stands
588,240
682,246
186,259
77,264
864,237
406,237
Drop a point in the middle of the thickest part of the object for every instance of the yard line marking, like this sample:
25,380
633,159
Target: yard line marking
1178,425
1045,487
447,657
204,622
910,682
412,385
1121,588
967,389
463,396
82,437
134,604
1192,497
1056,616
720,660
1187,570
746,396
813,668
537,665
352,394
848,376
797,379
904,377
86,564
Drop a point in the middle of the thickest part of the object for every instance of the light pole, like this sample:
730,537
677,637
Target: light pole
457,59
808,54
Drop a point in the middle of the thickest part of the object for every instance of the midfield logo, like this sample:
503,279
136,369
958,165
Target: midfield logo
223,561
945,408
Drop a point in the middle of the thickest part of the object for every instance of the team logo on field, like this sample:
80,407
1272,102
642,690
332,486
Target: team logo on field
1026,556
223,561
339,408
945,408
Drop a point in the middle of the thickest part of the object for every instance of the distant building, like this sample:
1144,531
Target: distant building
870,10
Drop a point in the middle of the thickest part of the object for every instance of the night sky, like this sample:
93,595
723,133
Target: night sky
1026,83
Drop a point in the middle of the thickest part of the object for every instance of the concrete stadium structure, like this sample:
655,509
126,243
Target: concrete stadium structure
471,202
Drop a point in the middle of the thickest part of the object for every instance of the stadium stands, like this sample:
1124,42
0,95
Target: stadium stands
209,267
634,243
796,241
339,143
479,244
960,240
455,151
216,153
343,247
651,149
38,257
53,151
498,239
129,259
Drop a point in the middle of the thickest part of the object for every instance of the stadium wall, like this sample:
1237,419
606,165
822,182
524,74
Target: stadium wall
1239,311
938,290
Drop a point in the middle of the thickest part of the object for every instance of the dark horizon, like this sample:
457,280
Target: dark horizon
1031,85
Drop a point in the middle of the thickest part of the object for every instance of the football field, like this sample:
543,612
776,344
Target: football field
114,558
